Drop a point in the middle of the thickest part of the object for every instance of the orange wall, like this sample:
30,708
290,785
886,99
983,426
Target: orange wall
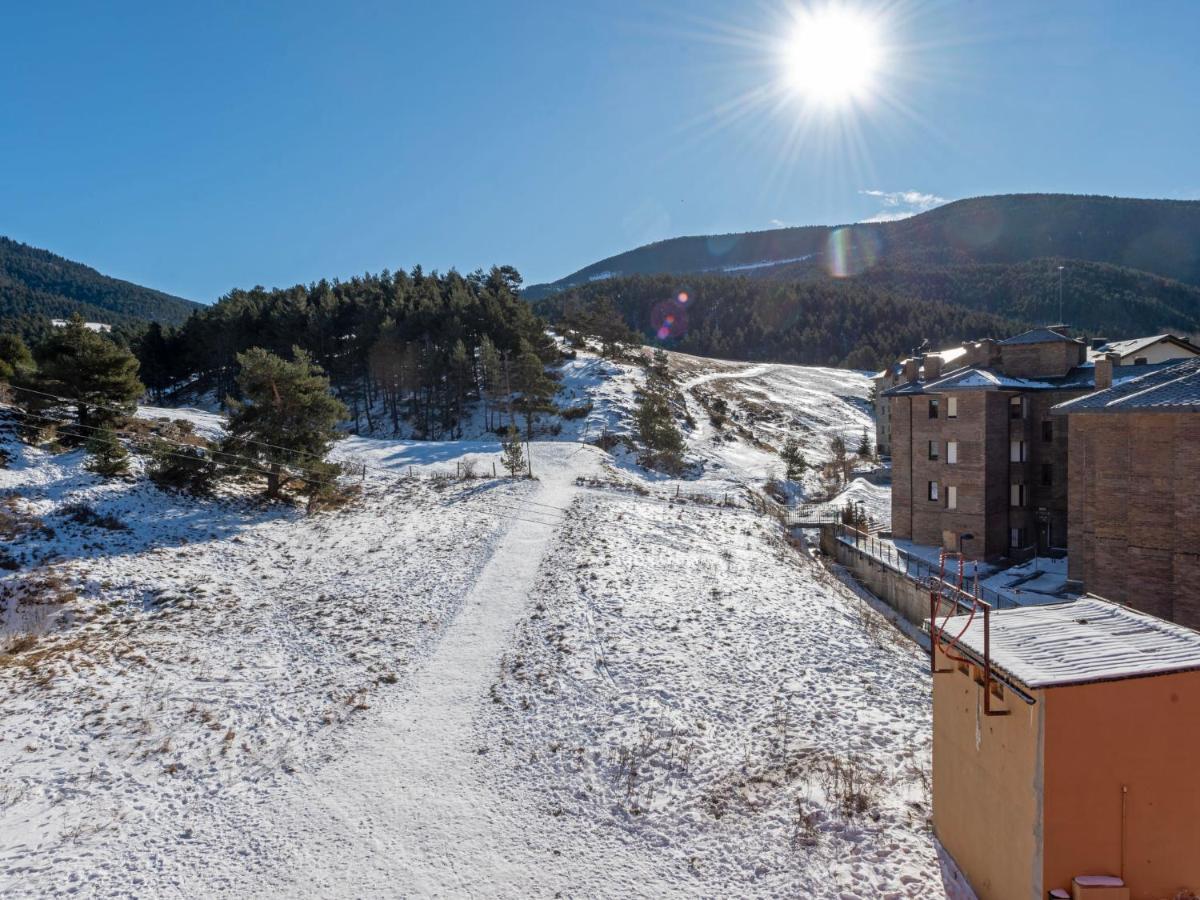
986,787
1143,733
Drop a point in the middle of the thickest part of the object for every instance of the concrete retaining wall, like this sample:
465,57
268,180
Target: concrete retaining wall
892,587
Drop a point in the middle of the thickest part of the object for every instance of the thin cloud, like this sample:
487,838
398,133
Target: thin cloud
902,204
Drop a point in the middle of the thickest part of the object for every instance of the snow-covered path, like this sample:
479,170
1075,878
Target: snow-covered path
427,820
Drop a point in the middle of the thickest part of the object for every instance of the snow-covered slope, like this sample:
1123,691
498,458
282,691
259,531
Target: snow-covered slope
474,687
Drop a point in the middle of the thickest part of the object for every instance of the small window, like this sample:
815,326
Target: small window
951,497
933,449
933,408
1016,495
933,490
951,407
951,452
1048,430
1047,474
1016,408
1017,537
1016,451
1140,360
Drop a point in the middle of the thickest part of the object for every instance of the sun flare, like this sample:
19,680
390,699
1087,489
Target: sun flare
833,56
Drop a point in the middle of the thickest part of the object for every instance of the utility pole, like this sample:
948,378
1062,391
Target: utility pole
1060,295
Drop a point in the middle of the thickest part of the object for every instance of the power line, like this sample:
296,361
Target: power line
253,466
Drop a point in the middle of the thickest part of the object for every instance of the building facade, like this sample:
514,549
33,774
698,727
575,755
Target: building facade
1134,505
978,462
1063,747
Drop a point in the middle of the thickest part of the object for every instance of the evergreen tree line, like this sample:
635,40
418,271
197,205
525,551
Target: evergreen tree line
829,323
396,346
81,387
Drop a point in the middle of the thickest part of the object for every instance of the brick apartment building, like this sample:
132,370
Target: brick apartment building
894,375
975,451
1134,504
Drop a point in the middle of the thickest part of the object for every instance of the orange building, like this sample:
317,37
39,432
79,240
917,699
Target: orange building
1066,744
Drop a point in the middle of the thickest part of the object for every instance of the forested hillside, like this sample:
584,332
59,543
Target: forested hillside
36,286
836,323
1157,236
399,348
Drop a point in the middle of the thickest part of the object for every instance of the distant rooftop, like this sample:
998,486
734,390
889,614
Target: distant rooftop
980,378
1133,345
1037,336
1171,387
1081,642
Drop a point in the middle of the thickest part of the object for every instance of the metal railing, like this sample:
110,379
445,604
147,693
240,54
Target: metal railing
918,570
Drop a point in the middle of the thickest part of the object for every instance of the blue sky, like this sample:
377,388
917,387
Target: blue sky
201,147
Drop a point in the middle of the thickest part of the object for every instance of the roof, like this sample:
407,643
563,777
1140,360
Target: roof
979,377
948,356
1037,336
1081,642
1080,378
1133,345
1173,387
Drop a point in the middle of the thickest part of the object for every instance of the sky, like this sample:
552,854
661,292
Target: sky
197,148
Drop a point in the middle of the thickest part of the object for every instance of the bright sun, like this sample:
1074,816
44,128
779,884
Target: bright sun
833,56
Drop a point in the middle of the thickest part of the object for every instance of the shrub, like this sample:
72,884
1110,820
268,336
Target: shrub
181,468
84,514
106,456
571,413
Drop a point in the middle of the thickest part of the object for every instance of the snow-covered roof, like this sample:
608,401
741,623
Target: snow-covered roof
1174,387
1037,336
1080,378
1132,346
1075,643
947,356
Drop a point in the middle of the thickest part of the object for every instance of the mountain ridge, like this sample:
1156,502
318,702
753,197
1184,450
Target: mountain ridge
1152,235
37,285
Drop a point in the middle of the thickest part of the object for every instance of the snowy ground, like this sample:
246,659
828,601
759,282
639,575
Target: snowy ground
458,687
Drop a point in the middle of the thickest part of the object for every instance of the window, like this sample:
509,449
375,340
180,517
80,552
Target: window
1016,495
1047,474
1017,537
933,492
951,497
1140,360
933,449
1048,430
951,407
933,408
951,452
1016,408
1016,451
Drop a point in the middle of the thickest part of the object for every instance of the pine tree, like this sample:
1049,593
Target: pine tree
837,446
657,431
98,377
493,376
512,454
533,387
106,456
287,417
864,446
15,359
793,459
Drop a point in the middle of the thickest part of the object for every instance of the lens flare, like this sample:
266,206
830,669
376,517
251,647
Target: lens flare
682,298
851,251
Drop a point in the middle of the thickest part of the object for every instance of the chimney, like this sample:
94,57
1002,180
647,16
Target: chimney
1097,343
1064,330
989,352
933,367
1104,370
912,366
